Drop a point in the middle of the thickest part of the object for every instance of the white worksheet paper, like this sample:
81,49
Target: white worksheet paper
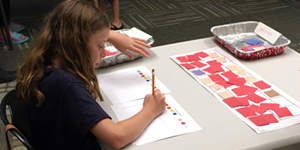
128,84
284,99
164,126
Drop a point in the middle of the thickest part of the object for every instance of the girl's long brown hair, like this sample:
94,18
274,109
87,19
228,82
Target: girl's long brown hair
64,35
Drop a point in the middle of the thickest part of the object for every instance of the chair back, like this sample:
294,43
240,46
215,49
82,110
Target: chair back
18,110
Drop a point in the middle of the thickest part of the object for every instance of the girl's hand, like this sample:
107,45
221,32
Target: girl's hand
155,104
124,43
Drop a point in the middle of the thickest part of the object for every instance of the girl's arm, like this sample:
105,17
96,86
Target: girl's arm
96,3
124,43
117,135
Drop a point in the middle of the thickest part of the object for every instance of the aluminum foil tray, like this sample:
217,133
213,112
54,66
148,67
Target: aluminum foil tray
119,57
234,36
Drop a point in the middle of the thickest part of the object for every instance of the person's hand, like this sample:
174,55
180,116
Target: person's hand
124,43
155,103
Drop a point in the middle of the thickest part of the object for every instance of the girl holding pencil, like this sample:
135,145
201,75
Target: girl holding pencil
58,80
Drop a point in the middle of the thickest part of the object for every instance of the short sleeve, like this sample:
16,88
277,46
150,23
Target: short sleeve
81,111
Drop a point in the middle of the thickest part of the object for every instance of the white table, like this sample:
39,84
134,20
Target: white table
222,129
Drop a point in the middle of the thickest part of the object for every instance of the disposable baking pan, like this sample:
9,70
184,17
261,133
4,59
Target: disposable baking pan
234,36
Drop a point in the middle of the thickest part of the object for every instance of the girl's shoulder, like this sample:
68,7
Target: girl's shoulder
57,76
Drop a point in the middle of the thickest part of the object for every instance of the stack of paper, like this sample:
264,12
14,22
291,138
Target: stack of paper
127,88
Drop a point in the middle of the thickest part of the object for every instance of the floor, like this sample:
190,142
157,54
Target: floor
168,21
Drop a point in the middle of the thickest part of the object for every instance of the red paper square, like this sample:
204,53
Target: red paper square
232,102
254,46
244,90
217,69
283,112
237,81
244,101
223,83
113,53
209,70
214,63
255,98
270,118
236,101
182,59
261,85
229,75
193,57
270,105
187,66
201,54
108,53
259,120
216,77
246,111
258,109
245,48
198,64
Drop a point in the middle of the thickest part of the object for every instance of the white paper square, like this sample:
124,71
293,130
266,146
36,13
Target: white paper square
282,101
295,110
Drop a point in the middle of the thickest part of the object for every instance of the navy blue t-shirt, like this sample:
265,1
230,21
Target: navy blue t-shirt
67,115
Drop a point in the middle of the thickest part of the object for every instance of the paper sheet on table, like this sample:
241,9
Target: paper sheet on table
134,32
129,84
166,125
234,65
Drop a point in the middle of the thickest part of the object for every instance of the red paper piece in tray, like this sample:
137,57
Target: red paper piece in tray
201,54
264,119
198,64
235,101
108,53
237,81
244,48
216,77
229,74
261,85
193,57
223,83
258,109
246,111
217,68
255,98
254,46
183,59
270,105
283,112
214,63
209,70
187,66
113,53
244,90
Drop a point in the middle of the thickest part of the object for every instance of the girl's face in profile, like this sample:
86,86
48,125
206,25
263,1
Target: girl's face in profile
96,45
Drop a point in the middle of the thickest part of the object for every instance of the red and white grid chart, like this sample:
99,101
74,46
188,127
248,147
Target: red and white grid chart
261,105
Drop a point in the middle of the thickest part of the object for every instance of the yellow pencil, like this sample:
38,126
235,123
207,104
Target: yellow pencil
153,86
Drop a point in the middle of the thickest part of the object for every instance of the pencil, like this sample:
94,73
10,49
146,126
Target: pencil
153,83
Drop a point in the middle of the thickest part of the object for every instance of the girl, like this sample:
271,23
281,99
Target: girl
58,81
